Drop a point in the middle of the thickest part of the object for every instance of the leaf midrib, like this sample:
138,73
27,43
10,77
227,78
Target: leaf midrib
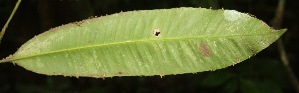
134,41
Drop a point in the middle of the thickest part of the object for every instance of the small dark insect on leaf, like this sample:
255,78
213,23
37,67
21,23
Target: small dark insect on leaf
157,32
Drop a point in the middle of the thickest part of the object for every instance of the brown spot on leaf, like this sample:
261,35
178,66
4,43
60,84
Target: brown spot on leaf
90,41
204,49
119,73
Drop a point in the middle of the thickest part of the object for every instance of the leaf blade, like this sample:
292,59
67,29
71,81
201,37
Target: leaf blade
124,44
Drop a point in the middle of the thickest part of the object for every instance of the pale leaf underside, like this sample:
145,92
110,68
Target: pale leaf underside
146,43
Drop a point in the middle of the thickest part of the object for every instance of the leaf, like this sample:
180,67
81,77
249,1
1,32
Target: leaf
146,43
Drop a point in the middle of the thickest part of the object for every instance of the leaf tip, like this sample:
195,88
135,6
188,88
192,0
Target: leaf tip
283,30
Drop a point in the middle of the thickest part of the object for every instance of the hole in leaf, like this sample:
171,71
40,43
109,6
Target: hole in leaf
157,32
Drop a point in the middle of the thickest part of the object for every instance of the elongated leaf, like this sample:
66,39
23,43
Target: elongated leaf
146,43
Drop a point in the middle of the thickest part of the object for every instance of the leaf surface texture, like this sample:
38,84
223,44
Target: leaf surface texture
146,43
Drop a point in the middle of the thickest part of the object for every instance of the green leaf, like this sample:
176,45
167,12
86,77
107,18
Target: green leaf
146,43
